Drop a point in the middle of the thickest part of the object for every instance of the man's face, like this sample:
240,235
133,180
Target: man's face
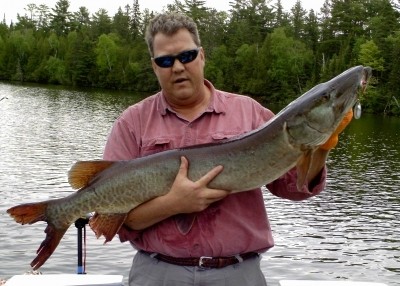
182,83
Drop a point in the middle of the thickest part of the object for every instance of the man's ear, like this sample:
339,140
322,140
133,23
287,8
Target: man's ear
202,54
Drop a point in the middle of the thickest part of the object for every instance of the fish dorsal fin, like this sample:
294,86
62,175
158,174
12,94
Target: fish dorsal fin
82,172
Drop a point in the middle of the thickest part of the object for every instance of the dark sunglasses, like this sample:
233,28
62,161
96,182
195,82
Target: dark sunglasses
184,57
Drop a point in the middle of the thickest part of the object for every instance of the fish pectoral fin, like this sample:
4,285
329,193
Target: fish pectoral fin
107,224
303,166
82,172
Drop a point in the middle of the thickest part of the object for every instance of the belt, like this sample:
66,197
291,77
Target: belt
203,261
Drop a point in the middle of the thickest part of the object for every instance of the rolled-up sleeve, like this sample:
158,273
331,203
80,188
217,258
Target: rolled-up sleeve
286,186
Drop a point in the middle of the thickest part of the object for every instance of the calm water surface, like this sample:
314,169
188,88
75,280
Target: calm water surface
349,232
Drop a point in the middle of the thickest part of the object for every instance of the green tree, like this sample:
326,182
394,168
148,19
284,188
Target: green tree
101,23
80,60
106,58
327,41
106,52
219,68
348,18
37,67
54,44
370,55
251,21
61,19
281,17
214,33
21,43
383,22
393,86
43,17
56,70
283,66
311,39
24,22
137,69
81,19
31,8
120,24
244,77
297,19
3,72
135,21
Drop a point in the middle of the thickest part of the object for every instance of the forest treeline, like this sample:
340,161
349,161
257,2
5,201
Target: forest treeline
255,48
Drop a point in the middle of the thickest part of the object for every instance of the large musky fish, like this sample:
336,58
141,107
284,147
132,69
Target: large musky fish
112,189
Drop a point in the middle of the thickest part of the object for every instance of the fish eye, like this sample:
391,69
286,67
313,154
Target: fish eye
326,96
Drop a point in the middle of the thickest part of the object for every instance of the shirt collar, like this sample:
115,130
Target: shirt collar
217,103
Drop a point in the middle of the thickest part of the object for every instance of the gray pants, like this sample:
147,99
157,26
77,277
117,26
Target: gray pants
148,271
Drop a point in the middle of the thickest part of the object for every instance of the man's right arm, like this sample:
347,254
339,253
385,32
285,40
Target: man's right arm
185,196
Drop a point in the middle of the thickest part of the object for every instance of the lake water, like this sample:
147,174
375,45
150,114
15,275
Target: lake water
349,232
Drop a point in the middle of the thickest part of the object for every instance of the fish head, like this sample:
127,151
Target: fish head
318,112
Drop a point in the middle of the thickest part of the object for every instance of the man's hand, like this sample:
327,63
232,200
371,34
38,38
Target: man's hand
187,196
334,139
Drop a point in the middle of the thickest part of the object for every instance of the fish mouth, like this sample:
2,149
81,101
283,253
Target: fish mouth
354,101
366,76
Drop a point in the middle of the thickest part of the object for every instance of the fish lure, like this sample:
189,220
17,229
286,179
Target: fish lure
357,110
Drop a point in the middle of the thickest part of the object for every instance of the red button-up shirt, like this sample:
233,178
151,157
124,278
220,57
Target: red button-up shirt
236,224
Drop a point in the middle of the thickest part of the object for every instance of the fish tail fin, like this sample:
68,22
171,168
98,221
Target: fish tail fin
49,244
34,212
29,213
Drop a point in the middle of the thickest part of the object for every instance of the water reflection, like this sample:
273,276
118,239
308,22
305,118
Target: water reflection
349,232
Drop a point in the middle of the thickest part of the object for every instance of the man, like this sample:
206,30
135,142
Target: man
195,235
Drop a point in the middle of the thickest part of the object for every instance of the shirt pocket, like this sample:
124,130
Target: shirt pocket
224,135
155,145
